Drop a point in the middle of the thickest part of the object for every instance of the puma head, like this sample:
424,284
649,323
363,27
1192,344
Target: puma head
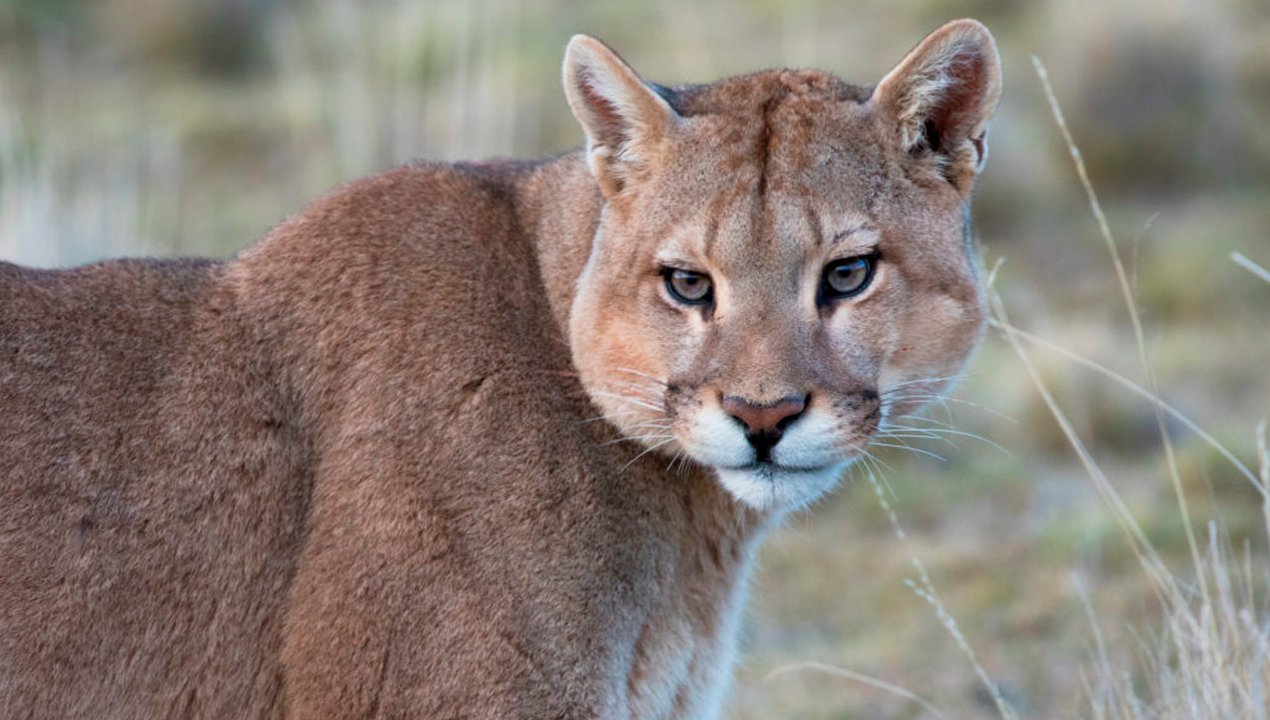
782,265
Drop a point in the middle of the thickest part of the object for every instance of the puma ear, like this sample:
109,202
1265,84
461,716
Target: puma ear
625,120
941,96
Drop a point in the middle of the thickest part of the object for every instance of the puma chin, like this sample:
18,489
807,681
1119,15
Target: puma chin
774,486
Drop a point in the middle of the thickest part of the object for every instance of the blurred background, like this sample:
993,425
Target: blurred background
165,127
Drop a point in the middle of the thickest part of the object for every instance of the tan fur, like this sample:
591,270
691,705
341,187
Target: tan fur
358,471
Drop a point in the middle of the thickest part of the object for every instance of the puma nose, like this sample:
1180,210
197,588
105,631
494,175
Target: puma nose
764,418
764,423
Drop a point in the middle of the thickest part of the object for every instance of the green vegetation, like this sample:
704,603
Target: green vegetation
192,126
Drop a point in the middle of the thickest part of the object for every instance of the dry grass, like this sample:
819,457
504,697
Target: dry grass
1209,658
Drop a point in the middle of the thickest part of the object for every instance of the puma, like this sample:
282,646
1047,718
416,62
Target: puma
492,440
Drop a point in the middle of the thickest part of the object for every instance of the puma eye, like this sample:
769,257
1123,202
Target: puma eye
846,278
689,288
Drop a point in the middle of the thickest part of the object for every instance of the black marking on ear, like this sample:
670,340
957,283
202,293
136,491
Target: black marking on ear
931,138
930,145
665,93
